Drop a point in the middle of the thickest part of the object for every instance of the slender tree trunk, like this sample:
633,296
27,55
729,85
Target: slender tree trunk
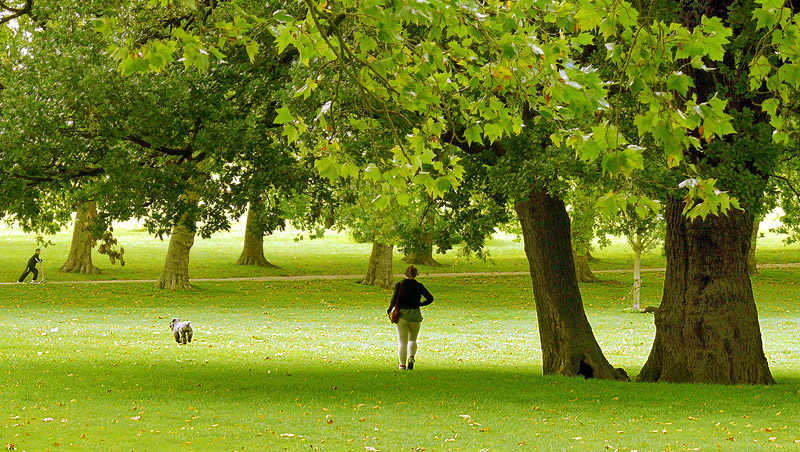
582,270
79,259
568,343
752,263
707,327
425,257
637,276
379,272
253,250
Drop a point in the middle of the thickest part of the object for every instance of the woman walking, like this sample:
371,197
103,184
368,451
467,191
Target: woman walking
407,296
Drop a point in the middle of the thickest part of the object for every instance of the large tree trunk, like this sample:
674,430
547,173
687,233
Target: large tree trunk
79,259
379,272
707,327
253,250
752,263
568,344
175,275
425,257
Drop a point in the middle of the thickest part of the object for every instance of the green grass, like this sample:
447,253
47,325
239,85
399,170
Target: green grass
310,365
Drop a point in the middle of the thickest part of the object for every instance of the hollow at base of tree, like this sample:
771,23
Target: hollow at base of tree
569,347
258,261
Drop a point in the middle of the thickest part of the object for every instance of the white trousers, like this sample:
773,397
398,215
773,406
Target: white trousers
407,339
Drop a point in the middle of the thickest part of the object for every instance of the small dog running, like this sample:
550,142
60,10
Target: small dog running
181,330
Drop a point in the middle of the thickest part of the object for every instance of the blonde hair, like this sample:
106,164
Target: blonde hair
411,272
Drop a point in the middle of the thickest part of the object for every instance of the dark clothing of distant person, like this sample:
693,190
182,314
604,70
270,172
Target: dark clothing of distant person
408,294
31,268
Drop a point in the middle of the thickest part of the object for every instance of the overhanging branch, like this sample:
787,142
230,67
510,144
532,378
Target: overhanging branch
15,12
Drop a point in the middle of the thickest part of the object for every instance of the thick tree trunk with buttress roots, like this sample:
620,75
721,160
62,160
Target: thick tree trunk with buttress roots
79,259
425,257
253,250
379,272
707,327
568,343
175,275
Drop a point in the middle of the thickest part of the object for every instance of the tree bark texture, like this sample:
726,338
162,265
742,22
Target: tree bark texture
425,257
568,343
637,276
422,259
79,259
752,263
707,327
175,275
379,272
253,249
582,270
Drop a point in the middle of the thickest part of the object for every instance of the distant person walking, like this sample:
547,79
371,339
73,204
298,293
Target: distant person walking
407,296
31,268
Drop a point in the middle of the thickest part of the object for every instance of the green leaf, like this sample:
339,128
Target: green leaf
219,55
291,133
252,49
372,173
327,167
284,116
403,199
493,132
380,202
764,18
128,67
770,106
607,205
759,70
102,26
679,82
473,134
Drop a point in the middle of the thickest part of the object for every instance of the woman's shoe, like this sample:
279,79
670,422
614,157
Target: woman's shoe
401,367
411,363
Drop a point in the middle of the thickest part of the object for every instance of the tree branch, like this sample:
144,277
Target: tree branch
457,139
16,12
788,184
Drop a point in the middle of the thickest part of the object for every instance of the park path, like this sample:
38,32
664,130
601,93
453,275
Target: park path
323,277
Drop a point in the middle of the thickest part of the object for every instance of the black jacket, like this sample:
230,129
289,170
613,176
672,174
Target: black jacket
408,293
33,261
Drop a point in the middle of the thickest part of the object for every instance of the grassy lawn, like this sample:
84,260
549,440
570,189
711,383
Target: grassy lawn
310,365
336,253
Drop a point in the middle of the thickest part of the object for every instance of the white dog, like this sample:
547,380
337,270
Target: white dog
181,330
